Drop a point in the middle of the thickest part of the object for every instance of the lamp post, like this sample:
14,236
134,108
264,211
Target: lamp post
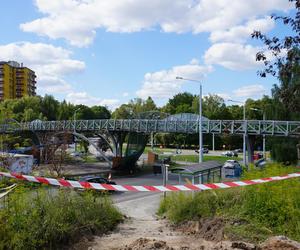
200,115
74,117
244,135
264,136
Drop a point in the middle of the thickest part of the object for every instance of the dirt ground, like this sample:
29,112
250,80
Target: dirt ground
142,230
136,234
149,234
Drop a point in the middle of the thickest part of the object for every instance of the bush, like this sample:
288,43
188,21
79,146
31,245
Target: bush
48,218
284,150
269,209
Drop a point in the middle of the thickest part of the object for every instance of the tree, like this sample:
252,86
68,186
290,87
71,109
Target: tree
134,108
277,46
125,111
213,107
100,112
49,107
284,59
65,111
284,63
180,103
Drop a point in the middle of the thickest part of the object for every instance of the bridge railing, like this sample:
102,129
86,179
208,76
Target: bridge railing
253,127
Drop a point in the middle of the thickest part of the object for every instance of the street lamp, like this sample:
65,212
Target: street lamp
264,136
74,117
244,135
200,115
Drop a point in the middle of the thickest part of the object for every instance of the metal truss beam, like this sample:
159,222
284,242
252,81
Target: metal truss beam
250,127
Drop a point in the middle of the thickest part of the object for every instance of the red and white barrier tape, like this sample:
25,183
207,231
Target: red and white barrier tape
187,187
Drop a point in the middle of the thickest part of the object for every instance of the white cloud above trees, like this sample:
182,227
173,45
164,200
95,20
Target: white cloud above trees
233,56
242,33
89,100
228,23
82,18
163,84
250,91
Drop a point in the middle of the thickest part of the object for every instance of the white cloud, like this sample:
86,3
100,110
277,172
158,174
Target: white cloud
81,18
225,96
163,84
50,63
242,32
125,94
232,56
250,91
88,100
52,84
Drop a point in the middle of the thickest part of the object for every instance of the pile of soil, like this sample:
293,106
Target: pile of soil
280,242
147,244
209,229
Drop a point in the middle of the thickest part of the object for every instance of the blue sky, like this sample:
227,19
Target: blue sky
107,52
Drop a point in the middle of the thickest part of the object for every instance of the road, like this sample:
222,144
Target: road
148,179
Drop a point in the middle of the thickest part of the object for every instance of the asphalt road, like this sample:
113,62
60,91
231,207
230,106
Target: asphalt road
148,179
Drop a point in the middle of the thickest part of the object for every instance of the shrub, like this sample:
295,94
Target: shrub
284,150
269,209
48,218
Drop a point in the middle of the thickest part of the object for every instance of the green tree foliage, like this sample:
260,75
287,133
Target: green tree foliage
180,103
100,112
285,65
48,108
65,111
213,107
134,108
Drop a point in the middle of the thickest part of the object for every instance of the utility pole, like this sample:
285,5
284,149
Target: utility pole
200,116
75,128
245,132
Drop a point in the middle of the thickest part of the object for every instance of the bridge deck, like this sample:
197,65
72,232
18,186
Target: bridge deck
252,127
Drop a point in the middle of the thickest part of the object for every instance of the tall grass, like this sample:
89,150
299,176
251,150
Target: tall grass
45,219
260,210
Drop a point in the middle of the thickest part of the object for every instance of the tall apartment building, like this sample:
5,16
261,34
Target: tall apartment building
16,81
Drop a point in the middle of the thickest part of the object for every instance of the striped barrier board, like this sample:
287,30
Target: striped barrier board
144,188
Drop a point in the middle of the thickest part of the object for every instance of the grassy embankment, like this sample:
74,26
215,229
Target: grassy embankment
44,218
250,213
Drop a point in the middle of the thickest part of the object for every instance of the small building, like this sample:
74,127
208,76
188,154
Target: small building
209,171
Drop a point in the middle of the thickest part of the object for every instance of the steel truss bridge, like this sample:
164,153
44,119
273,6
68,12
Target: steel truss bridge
114,132
147,126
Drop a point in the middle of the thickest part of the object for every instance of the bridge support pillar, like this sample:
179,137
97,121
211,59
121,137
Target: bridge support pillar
250,139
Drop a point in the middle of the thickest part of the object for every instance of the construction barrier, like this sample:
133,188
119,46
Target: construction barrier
144,188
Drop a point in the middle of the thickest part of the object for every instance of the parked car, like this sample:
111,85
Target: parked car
238,150
230,154
260,163
204,150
